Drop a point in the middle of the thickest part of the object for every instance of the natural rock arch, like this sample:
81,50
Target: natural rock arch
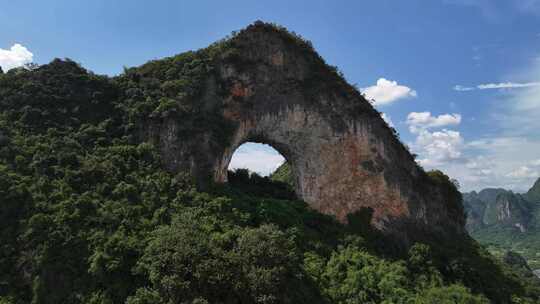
271,87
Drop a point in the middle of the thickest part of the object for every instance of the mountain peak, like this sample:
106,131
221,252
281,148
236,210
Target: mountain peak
534,193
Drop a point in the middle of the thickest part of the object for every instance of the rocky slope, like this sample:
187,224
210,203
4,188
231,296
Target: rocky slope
267,85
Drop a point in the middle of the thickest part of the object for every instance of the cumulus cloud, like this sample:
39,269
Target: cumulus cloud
16,56
424,120
480,166
506,162
523,172
435,147
387,91
438,147
508,158
256,157
531,170
501,85
485,163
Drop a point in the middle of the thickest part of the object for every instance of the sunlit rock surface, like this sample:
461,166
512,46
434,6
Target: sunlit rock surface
344,157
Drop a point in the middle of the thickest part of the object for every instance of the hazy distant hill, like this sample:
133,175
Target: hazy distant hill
505,220
497,207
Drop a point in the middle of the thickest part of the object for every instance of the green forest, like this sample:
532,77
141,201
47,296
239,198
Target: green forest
88,214
517,229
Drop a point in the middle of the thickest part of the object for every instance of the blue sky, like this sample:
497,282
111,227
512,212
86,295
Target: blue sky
474,65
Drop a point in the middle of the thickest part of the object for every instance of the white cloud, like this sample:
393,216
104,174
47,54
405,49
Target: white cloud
435,148
387,91
509,156
438,147
531,170
424,120
506,162
462,88
507,85
501,85
388,120
16,56
256,157
523,172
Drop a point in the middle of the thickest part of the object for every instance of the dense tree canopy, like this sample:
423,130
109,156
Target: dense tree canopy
88,215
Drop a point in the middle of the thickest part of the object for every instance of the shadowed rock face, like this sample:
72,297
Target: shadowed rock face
343,156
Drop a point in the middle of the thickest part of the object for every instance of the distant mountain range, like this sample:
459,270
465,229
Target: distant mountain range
504,220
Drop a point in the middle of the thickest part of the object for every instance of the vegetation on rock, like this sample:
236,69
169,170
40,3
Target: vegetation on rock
88,214
283,174
503,221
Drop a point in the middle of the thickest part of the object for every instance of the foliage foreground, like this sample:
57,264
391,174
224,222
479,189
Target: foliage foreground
88,215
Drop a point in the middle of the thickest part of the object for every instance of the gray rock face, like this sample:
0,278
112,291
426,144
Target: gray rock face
497,207
343,156
537,272
474,208
490,194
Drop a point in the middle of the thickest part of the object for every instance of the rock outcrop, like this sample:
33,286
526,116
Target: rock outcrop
497,207
533,194
508,209
269,86
474,209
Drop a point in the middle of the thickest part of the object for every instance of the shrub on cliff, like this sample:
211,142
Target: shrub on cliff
88,215
450,191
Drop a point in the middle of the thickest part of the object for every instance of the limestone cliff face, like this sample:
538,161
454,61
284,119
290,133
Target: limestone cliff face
273,88
497,207
474,209
508,209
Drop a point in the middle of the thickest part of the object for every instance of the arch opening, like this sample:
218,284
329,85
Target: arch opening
257,169
259,158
